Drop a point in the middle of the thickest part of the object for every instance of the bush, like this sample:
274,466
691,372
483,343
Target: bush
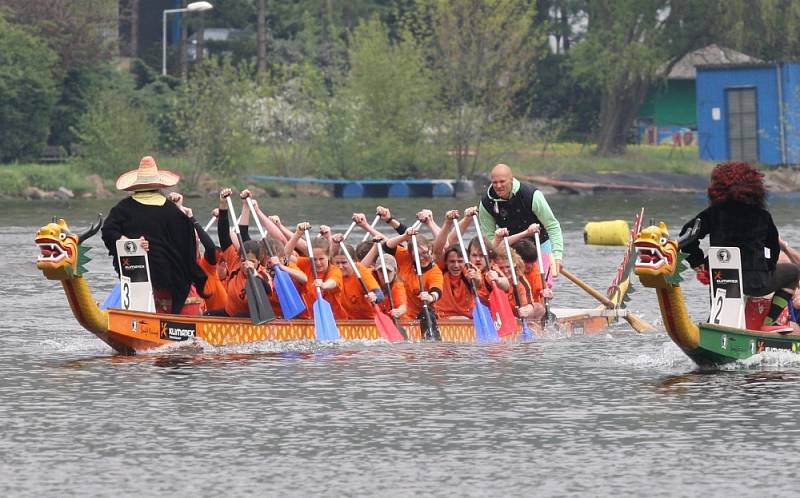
14,179
27,92
115,134
209,115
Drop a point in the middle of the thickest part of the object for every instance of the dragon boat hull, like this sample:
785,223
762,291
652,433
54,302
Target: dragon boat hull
63,257
719,344
131,332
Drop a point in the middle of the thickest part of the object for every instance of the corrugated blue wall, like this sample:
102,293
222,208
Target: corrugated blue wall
713,134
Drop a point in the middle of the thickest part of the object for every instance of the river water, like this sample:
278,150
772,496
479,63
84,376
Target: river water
618,414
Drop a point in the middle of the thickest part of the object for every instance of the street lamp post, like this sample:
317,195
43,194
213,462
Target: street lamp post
192,7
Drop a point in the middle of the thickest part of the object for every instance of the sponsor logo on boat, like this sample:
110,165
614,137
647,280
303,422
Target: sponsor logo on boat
177,331
765,345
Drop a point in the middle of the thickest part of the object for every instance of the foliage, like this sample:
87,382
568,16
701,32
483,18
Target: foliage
209,113
480,52
15,178
79,84
377,118
76,30
115,133
27,92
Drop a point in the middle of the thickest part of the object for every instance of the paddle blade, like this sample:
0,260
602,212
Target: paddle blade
638,324
386,327
501,311
114,298
257,301
527,332
288,297
324,323
482,321
428,326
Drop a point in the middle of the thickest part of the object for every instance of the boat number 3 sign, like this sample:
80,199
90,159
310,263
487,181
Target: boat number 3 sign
136,293
727,297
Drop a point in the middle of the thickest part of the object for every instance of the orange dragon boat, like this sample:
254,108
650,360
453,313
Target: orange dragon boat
63,256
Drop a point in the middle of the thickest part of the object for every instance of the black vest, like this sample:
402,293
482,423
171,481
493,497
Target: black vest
516,213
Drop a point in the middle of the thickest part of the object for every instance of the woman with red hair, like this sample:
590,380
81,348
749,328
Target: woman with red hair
737,217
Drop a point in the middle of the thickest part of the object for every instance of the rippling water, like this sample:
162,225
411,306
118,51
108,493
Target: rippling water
610,415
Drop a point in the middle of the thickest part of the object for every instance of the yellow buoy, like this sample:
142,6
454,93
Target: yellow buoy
606,233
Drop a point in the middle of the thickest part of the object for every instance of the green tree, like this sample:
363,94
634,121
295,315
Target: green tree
482,51
27,92
629,44
210,115
115,132
377,119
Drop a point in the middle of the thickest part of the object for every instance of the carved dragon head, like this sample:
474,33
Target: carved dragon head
62,255
658,261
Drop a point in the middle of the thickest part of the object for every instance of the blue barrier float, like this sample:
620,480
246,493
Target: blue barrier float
372,188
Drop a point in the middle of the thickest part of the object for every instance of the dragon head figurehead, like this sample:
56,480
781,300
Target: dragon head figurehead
658,261
61,253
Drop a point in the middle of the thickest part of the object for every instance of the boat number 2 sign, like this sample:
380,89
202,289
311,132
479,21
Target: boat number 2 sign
727,297
136,293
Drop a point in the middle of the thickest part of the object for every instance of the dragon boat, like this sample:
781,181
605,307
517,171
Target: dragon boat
658,266
63,256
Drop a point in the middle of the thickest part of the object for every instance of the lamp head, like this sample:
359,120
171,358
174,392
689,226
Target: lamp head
198,6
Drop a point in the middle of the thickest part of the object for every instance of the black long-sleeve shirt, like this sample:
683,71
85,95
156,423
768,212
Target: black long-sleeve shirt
173,251
734,224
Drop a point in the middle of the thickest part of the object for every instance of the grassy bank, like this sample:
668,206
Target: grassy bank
524,158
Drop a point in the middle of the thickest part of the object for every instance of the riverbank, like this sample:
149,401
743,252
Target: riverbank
560,168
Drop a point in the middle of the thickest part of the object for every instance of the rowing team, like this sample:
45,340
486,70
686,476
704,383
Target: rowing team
401,274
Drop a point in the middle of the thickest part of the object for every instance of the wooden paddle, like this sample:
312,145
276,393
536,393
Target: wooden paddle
637,323
324,322
260,309
498,300
288,297
389,289
485,330
384,324
527,333
429,329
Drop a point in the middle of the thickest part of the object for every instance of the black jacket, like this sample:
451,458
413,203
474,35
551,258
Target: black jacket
747,227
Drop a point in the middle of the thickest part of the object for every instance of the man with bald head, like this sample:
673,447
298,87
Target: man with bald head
511,204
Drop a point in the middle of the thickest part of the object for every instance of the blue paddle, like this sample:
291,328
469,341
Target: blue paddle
113,299
324,323
485,330
527,333
289,299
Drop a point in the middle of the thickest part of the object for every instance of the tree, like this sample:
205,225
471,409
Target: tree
481,52
27,92
377,119
628,45
209,112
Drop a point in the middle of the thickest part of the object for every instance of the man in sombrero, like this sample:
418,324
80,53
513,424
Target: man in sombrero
167,235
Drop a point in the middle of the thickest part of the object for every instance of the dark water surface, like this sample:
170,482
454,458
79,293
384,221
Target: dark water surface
617,414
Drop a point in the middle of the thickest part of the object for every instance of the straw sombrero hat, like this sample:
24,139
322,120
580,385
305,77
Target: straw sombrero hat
147,176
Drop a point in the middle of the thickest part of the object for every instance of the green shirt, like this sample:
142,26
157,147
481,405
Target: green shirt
540,208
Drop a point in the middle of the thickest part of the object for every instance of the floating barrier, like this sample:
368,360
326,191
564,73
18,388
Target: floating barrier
353,189
606,233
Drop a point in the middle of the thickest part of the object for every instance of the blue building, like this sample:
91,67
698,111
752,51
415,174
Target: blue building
749,112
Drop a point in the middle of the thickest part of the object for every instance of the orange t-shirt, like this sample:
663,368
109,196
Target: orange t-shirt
310,292
484,287
535,281
431,277
398,297
276,304
457,299
237,304
214,289
354,305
